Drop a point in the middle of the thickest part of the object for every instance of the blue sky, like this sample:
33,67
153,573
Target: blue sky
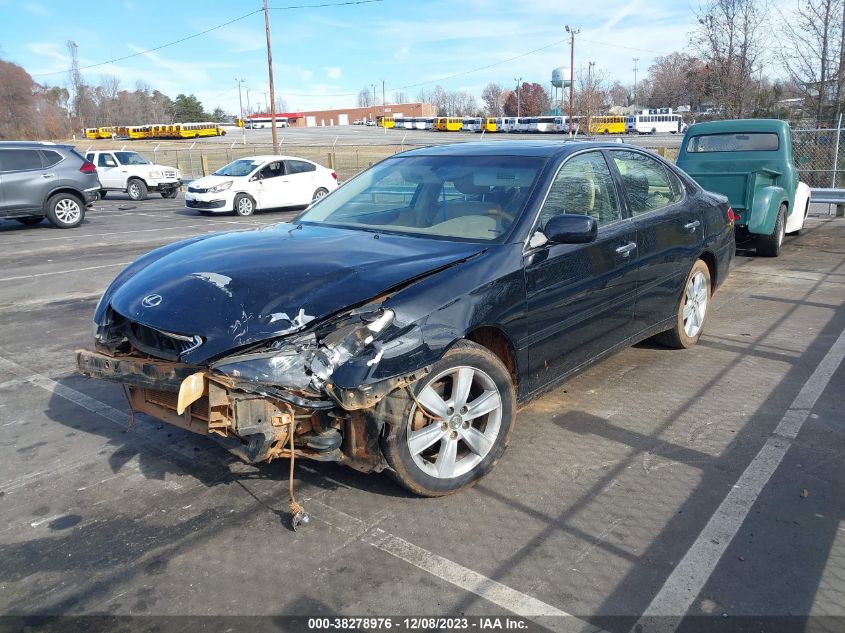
324,56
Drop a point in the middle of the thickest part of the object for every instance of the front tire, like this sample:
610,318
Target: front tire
137,190
65,211
692,310
170,193
469,401
770,245
244,205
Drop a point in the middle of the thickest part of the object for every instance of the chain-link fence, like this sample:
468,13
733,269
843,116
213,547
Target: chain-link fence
820,156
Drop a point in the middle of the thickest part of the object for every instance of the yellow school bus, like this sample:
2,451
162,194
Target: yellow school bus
607,125
448,124
387,122
91,132
138,131
196,130
105,132
490,124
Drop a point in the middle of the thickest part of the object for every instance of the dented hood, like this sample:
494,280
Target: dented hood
234,289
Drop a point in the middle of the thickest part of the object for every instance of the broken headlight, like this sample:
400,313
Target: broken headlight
285,366
351,338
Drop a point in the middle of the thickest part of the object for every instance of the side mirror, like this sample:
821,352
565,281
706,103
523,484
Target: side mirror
570,228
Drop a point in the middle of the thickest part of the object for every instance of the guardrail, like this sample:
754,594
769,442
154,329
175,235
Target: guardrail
820,195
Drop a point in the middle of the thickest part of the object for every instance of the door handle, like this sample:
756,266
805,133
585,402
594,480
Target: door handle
48,175
692,226
627,249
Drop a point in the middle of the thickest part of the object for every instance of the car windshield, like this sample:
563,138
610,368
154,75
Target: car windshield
471,198
745,142
131,158
241,167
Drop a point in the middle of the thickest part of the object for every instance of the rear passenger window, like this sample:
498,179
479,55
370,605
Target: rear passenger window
299,166
50,157
19,159
646,181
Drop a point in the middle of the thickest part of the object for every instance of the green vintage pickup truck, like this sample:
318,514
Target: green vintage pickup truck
750,161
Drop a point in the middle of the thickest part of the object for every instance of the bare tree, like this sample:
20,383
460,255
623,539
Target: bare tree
365,98
492,96
729,37
812,54
400,97
17,104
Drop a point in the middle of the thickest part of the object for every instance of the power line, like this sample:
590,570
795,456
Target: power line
629,48
208,30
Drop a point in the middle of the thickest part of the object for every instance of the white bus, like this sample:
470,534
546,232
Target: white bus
424,123
544,124
472,124
561,124
259,122
509,124
656,121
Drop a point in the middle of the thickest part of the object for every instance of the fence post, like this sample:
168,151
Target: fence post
836,153
204,163
661,151
191,157
331,160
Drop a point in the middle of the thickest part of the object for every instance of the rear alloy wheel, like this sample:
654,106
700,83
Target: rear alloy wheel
65,211
692,310
455,428
31,221
137,190
770,245
244,205
320,193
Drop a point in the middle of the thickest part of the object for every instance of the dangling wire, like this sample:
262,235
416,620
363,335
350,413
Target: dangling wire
298,515
131,409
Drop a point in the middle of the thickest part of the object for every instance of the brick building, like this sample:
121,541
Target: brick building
346,116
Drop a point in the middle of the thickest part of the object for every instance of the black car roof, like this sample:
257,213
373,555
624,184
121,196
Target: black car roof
537,149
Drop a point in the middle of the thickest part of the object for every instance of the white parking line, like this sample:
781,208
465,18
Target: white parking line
693,571
449,571
63,272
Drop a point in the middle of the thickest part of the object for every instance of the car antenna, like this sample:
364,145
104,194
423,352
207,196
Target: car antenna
296,228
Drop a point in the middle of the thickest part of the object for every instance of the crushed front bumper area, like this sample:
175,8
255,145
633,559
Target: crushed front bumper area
252,421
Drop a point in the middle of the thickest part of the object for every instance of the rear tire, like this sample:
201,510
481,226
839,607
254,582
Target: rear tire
692,310
137,190
435,457
65,211
770,245
31,221
322,192
170,193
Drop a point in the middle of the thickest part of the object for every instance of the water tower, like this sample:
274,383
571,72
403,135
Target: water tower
561,78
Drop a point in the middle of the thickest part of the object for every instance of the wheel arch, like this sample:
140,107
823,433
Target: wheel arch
496,341
710,259
63,189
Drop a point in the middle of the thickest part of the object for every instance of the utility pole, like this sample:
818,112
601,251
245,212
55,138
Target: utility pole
248,106
518,81
636,68
375,102
572,34
241,104
383,110
272,87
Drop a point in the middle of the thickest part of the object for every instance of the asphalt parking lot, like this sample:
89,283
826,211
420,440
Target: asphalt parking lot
664,483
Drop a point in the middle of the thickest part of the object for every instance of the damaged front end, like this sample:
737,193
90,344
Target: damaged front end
317,381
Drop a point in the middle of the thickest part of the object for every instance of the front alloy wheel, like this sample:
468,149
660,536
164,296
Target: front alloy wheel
455,427
244,205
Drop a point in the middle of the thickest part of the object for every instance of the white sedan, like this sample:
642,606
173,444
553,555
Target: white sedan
260,182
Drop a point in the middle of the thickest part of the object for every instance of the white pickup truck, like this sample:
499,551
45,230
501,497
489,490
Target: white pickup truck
131,173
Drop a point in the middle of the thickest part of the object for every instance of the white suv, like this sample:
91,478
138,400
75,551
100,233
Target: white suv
131,173
260,182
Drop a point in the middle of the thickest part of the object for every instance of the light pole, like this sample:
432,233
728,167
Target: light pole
572,34
374,102
241,104
636,68
518,81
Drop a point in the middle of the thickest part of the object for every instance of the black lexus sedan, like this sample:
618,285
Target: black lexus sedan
396,323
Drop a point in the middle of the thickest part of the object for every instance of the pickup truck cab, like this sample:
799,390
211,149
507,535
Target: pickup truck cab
750,161
131,173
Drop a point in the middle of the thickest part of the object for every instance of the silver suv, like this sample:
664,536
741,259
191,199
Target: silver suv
45,179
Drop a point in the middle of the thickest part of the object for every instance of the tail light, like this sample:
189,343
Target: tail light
732,215
334,175
88,168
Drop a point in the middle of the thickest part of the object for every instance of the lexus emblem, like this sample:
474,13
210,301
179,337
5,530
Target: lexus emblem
151,301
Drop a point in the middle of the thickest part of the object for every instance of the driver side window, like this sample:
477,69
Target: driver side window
106,160
583,186
273,170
